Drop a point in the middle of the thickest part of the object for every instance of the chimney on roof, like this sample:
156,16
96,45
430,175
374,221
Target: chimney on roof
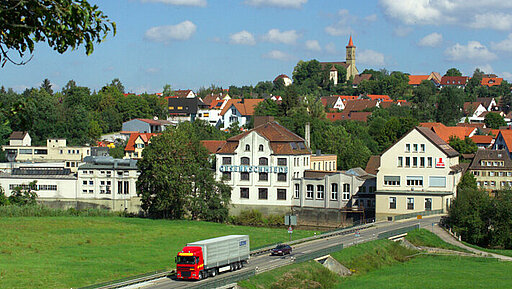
307,134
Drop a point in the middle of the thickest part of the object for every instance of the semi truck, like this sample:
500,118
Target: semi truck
207,258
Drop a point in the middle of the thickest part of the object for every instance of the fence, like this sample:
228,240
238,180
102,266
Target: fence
220,281
400,231
414,215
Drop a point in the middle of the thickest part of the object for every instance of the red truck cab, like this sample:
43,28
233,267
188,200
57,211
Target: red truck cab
190,263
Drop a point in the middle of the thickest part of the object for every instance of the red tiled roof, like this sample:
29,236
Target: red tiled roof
454,80
182,93
491,81
244,106
359,104
445,132
281,76
470,107
360,77
379,97
18,135
130,146
347,97
475,125
373,165
430,124
329,100
507,137
482,139
213,145
417,79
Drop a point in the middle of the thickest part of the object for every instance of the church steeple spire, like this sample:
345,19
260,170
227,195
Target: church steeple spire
350,43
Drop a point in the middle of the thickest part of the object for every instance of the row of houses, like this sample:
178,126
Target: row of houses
453,81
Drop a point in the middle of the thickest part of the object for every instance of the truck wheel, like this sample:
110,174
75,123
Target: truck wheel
238,266
200,276
213,273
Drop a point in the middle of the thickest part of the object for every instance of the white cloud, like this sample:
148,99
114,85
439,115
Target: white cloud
313,45
198,3
331,48
371,18
243,37
294,4
474,51
342,26
278,55
370,57
472,13
507,75
505,45
431,40
487,68
402,31
180,31
276,36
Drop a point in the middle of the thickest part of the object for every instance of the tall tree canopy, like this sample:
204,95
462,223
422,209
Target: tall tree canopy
62,24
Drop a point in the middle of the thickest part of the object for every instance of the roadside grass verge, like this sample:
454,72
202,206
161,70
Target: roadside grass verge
425,238
69,252
436,272
10,211
302,275
495,251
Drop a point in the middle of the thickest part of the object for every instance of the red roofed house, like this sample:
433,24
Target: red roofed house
503,141
445,132
360,104
333,101
213,145
360,78
415,80
136,144
349,115
491,81
379,97
184,93
457,81
287,81
483,141
238,110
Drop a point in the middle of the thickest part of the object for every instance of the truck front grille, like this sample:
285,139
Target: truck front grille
185,274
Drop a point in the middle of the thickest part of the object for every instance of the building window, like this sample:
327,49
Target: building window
297,191
226,176
415,147
422,148
91,183
263,176
429,162
346,191
422,162
84,182
281,194
119,187
281,177
410,203
414,181
226,160
244,193
400,162
407,147
260,148
126,188
245,161
263,162
407,162
309,191
244,176
414,162
320,192
392,180
247,148
263,193
428,204
392,202
281,162
362,189
334,192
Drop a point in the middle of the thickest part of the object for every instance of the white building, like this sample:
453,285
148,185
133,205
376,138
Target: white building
239,111
418,173
260,165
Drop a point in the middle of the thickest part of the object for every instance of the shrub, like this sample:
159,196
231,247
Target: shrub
256,218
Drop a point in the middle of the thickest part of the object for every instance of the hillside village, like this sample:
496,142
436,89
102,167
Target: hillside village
276,166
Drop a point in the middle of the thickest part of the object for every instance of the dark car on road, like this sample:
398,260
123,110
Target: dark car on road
281,249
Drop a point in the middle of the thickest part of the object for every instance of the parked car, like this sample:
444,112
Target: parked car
281,249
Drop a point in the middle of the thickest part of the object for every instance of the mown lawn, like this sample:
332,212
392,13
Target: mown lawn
425,238
65,252
495,251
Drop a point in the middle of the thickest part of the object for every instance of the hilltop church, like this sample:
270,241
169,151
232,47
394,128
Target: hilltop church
349,64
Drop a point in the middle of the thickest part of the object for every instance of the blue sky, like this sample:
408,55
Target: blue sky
193,43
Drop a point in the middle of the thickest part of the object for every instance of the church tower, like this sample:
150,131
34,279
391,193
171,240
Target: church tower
351,59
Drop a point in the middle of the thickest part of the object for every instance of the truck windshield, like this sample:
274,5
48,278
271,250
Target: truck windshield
186,260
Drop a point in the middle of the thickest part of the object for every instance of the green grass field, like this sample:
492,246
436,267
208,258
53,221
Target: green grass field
496,251
384,264
425,238
65,252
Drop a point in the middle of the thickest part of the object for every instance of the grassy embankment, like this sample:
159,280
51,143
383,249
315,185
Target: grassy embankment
495,251
384,264
64,252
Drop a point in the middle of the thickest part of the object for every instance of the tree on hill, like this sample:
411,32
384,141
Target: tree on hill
47,85
453,72
466,146
450,103
176,179
63,24
494,120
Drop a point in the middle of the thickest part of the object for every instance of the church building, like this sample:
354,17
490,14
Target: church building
349,64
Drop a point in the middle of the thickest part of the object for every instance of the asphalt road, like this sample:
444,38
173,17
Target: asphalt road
266,262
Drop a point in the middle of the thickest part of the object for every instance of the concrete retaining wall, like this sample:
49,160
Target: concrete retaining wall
130,205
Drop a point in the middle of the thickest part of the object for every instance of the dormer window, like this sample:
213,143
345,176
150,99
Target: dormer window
260,148
247,148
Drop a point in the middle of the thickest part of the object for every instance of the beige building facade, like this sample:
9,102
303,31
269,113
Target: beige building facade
492,170
322,162
416,175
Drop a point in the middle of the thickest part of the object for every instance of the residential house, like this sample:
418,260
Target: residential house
489,103
348,115
136,144
445,132
454,81
483,141
503,141
360,104
491,81
418,173
20,138
492,170
379,98
145,125
238,111
185,93
360,78
334,102
286,80
184,109
324,162
415,80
